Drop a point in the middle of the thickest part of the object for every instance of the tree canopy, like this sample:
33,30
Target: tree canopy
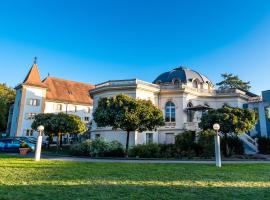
127,113
231,120
233,81
7,97
58,124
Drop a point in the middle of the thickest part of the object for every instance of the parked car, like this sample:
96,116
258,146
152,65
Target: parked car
13,145
30,140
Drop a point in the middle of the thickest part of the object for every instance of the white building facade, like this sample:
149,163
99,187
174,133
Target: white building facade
51,95
182,94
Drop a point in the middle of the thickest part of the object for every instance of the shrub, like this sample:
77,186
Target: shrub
264,145
236,146
98,148
150,150
115,149
167,151
206,146
81,149
185,144
24,145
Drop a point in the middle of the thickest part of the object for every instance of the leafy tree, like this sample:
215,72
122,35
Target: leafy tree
129,114
7,97
233,121
58,124
233,81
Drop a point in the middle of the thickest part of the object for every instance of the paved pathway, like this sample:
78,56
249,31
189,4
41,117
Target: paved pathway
101,160
153,161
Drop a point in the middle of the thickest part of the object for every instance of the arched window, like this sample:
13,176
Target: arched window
195,84
170,112
190,113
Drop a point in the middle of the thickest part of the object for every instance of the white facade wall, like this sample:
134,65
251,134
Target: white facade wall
16,112
83,111
180,98
31,93
22,109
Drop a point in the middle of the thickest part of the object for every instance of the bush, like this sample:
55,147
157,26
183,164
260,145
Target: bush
167,151
115,149
206,146
150,150
264,145
185,144
81,149
98,148
236,146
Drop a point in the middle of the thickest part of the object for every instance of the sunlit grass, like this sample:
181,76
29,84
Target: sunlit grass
25,179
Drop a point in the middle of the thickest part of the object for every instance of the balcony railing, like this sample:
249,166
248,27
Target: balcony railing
170,124
191,126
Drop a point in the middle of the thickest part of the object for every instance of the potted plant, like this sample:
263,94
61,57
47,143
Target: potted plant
24,148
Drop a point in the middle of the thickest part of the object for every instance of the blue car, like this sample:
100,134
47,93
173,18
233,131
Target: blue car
13,145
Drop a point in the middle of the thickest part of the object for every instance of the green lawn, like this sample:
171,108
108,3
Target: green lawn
22,178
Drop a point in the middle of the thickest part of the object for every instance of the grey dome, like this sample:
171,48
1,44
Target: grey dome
183,74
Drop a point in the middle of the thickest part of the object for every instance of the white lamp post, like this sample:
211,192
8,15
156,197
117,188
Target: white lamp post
216,127
39,142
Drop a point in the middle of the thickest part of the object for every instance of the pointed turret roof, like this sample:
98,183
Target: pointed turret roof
33,77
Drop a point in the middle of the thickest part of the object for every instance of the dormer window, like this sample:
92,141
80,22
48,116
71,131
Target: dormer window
158,82
176,81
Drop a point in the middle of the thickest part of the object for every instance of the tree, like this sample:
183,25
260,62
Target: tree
7,97
232,81
58,124
129,114
231,120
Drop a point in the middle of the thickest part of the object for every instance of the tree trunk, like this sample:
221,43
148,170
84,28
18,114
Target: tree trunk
61,141
49,141
58,141
127,143
225,144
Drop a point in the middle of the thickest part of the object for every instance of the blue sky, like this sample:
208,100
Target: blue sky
94,41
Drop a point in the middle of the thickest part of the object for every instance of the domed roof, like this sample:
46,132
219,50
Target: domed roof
183,74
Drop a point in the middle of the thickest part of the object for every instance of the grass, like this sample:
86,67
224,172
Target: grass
22,178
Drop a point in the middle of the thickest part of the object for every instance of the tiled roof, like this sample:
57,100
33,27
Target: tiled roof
33,78
68,91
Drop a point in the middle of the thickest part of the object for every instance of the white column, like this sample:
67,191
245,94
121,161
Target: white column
38,148
217,150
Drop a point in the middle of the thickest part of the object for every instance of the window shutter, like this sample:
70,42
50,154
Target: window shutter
38,102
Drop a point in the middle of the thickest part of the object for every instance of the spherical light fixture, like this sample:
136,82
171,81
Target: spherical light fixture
216,127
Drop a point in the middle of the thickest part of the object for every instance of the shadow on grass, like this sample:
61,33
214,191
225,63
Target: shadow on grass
68,192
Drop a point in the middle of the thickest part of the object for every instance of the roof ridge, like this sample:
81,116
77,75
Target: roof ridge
53,77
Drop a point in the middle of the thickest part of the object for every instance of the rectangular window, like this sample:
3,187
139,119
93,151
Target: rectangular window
149,138
30,115
33,102
88,109
267,112
59,107
86,119
169,138
29,132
